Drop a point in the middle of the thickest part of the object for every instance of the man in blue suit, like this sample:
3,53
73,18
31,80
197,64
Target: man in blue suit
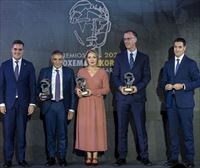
59,108
137,63
17,101
180,78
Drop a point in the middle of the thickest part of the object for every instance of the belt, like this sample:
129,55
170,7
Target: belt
173,94
57,101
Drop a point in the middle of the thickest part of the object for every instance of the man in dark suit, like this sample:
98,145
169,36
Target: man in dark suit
17,101
59,108
180,78
137,63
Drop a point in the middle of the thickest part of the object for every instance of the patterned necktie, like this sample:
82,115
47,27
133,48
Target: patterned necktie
131,60
17,70
177,65
57,91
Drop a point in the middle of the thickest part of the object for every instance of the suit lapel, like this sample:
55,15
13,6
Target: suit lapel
23,66
181,65
64,77
49,76
137,60
171,68
11,70
125,56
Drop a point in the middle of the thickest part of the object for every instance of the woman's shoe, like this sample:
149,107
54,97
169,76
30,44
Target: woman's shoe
95,162
88,161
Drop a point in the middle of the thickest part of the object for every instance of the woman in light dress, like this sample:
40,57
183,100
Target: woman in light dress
91,134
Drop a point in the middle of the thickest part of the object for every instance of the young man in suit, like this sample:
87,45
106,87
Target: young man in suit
133,61
59,108
17,101
180,78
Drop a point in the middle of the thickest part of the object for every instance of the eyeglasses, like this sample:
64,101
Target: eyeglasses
57,59
18,49
128,39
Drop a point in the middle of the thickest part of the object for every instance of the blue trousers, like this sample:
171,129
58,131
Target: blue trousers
14,125
181,118
137,110
56,129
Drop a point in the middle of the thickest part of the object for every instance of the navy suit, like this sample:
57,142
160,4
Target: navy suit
135,103
55,113
180,104
16,108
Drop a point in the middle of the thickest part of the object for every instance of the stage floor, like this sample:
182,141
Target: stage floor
102,165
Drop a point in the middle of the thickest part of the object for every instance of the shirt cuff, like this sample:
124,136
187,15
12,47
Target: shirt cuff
2,105
119,88
71,110
32,104
184,87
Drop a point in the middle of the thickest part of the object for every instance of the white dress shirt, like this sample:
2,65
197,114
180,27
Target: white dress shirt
19,64
134,54
53,82
180,59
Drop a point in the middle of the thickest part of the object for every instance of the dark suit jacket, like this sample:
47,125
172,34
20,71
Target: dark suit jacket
140,70
25,85
188,74
68,88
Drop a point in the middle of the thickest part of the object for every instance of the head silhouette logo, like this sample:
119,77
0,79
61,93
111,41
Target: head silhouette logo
93,20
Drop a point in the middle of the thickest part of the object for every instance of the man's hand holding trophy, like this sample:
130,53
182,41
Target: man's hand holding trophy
81,89
128,88
45,93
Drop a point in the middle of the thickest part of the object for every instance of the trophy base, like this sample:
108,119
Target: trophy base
85,93
128,89
44,97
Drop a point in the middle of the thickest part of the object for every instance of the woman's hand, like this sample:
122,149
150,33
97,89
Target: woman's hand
78,92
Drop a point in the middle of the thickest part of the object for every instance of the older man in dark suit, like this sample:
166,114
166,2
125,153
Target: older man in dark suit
58,108
134,62
17,101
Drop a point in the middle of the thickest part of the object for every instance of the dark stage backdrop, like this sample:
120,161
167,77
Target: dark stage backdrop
73,26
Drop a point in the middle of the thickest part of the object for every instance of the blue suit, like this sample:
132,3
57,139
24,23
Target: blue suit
16,108
134,103
55,113
180,104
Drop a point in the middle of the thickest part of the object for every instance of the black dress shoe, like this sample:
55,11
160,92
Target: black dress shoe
139,158
179,165
50,162
23,163
120,162
146,162
7,164
189,165
171,163
62,162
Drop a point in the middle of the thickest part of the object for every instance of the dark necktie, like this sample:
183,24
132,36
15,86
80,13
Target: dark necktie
17,70
131,60
57,91
177,65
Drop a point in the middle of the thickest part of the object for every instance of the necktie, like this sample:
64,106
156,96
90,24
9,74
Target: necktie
16,70
57,91
177,65
131,60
